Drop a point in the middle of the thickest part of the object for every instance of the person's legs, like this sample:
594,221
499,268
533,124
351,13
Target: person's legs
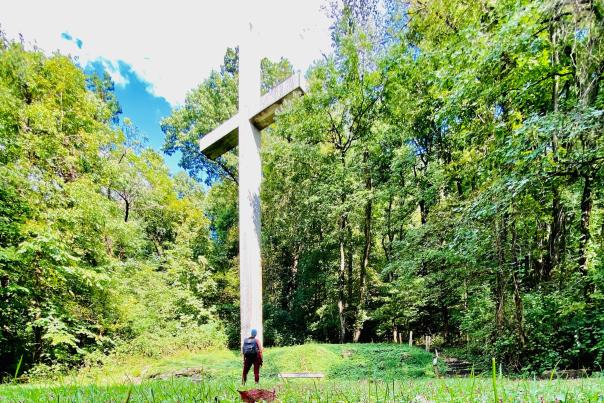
257,370
247,364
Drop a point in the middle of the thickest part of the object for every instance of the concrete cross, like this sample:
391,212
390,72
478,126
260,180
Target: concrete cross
255,113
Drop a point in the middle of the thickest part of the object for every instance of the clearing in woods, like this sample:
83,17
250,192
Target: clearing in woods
353,372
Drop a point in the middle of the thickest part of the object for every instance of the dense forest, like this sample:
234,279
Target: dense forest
442,175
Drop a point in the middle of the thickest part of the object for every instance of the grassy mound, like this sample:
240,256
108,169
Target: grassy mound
351,361
343,361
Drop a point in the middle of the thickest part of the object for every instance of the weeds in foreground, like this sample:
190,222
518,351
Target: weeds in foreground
471,389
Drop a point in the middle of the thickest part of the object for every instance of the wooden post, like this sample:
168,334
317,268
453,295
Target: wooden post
411,338
427,342
250,176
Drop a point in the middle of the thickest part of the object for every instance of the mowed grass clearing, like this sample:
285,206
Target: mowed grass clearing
369,372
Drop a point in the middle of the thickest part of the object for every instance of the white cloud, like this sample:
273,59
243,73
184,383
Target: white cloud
113,69
172,45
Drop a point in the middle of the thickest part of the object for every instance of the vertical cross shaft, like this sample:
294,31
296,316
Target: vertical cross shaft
250,175
255,113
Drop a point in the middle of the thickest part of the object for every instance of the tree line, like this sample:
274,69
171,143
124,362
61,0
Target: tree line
101,249
442,175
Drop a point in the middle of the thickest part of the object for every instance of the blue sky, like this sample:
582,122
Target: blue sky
144,108
156,52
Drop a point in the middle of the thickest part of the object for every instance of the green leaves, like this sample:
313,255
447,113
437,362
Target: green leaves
78,199
207,106
481,155
442,175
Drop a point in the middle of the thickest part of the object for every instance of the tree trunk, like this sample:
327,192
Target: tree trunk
366,253
519,314
553,244
423,209
341,280
37,333
465,308
586,207
500,302
459,186
292,278
124,197
551,260
127,212
602,236
446,323
157,246
519,309
389,232
37,309
499,277
350,279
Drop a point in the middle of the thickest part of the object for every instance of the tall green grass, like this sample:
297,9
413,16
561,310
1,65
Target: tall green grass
18,369
365,372
418,390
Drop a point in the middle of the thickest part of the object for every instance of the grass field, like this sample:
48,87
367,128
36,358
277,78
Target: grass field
371,372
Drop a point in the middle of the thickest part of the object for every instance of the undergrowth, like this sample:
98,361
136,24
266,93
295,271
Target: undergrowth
354,372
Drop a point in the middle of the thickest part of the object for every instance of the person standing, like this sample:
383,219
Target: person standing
252,355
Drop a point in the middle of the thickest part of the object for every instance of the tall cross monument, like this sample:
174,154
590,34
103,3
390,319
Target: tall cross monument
255,113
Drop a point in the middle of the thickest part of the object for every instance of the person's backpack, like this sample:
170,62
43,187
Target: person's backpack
250,347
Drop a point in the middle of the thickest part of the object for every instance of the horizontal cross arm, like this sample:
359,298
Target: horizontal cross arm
221,139
225,137
270,102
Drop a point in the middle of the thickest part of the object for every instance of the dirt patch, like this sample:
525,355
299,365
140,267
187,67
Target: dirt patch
347,353
195,374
